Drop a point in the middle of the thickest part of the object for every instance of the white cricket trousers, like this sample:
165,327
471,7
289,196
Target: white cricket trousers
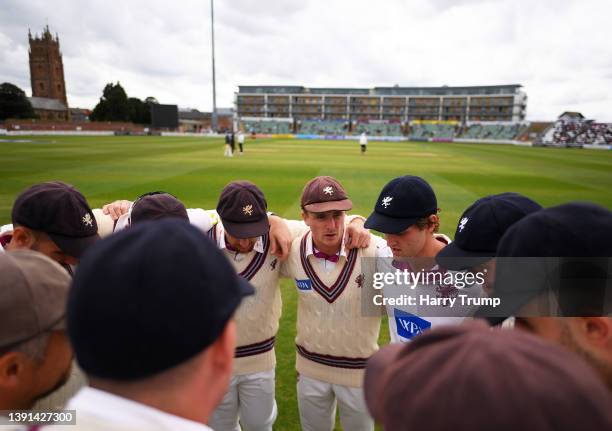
250,398
317,403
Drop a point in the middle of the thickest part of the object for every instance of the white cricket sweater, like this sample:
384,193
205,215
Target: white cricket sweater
334,339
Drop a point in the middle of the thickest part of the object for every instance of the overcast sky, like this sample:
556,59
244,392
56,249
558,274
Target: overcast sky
560,51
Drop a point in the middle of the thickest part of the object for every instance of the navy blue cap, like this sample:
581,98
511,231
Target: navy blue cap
578,233
481,227
149,298
62,212
401,203
157,205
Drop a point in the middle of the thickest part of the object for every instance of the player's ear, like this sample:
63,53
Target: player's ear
433,221
597,330
304,214
23,238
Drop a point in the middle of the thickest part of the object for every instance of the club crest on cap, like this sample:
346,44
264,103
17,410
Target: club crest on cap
387,201
462,223
87,220
247,210
328,190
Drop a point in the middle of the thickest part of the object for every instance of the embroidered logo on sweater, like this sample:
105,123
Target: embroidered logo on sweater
359,280
273,264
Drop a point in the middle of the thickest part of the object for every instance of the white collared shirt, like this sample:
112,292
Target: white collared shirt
382,250
6,230
126,413
237,256
325,264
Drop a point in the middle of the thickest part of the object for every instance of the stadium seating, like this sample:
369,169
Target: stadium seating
576,134
493,131
323,127
267,126
432,131
378,129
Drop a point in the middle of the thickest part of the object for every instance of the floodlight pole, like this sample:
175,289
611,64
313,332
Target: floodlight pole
214,89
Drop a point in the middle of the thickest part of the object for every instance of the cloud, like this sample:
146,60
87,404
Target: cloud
559,51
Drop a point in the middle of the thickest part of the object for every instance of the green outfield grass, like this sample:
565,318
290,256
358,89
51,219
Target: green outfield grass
194,169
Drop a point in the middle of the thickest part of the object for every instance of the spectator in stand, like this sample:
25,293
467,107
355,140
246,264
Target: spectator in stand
581,132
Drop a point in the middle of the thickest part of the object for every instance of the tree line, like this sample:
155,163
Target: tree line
114,105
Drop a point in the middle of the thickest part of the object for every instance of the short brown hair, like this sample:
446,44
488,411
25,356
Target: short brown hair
424,222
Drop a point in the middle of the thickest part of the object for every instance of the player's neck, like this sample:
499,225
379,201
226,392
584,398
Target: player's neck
327,249
431,248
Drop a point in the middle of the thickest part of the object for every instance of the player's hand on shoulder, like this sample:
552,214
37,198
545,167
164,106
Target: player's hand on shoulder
280,237
357,236
117,208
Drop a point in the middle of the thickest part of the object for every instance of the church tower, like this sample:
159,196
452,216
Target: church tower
46,67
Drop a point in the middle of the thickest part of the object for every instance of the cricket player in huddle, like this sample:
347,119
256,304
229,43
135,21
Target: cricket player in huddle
334,338
407,213
241,228
244,239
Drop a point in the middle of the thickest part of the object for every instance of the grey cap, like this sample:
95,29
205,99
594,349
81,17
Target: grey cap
33,295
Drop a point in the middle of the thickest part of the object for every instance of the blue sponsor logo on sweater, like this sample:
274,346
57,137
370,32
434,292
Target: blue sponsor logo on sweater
303,284
409,325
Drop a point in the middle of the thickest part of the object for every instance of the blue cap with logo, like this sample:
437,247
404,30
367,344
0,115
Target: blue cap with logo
565,250
482,226
401,203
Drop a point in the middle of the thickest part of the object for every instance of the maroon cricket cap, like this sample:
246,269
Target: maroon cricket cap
243,210
157,205
59,210
469,377
325,194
